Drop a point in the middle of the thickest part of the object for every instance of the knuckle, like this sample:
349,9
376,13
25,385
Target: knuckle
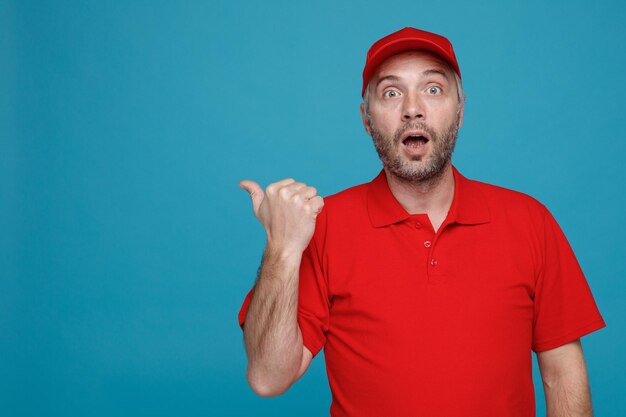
278,185
284,193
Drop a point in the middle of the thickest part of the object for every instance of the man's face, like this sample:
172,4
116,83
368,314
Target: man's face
414,115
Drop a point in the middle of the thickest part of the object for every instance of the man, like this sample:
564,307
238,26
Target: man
427,290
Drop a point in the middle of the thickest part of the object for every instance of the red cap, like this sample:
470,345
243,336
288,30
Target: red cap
404,40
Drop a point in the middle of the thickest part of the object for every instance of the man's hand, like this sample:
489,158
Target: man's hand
288,210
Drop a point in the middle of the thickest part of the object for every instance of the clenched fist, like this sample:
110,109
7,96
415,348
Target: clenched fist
287,209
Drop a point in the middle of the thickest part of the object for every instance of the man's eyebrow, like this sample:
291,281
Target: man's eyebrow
436,71
387,78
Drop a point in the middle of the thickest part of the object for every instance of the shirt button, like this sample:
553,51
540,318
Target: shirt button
433,262
418,226
427,243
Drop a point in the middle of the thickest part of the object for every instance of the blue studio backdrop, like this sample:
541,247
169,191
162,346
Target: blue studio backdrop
126,245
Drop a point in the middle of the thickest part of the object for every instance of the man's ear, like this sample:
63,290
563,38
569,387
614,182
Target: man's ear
462,112
364,119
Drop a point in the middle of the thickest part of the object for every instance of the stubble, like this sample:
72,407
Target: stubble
416,169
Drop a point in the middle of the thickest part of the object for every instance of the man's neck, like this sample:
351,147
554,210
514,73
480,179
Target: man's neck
433,196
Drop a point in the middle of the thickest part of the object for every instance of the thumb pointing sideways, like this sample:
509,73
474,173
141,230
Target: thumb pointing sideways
256,193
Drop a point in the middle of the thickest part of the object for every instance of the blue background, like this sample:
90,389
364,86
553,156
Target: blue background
126,245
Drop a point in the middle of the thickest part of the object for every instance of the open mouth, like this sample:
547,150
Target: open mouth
415,141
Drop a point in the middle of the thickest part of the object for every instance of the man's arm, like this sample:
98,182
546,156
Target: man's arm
276,353
565,381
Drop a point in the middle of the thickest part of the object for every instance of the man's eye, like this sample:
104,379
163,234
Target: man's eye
434,90
390,93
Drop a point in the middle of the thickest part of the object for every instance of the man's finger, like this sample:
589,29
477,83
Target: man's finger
255,191
308,192
317,203
278,185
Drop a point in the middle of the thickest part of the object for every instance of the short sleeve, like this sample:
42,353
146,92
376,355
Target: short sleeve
564,307
313,297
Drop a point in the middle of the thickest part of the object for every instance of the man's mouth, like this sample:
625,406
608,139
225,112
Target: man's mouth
415,138
415,141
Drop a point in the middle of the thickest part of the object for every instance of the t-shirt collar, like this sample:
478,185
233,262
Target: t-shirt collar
468,204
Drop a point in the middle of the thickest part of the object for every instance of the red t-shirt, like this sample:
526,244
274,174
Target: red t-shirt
418,323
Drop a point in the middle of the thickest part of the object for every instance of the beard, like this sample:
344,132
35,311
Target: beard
416,168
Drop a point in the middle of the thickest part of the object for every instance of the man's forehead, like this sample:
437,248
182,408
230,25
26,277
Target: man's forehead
430,60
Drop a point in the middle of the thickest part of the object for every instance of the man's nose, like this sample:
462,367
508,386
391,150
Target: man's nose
413,107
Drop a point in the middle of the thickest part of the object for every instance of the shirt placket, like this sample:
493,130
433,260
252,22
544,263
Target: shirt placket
428,242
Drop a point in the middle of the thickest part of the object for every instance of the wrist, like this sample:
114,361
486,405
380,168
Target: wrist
282,253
